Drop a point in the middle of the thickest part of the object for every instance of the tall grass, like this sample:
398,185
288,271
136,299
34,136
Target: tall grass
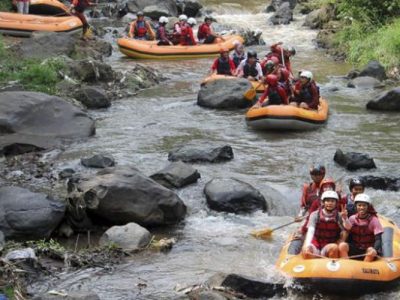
33,74
5,5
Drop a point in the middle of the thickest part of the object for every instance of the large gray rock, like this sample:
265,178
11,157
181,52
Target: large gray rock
95,48
191,8
25,214
233,195
317,18
365,82
206,295
282,15
123,195
2,240
129,237
137,5
374,69
98,161
93,97
353,160
39,121
201,154
91,71
154,12
250,287
389,101
73,295
176,175
224,94
46,44
381,182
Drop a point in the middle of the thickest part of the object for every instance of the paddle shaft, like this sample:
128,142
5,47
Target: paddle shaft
284,225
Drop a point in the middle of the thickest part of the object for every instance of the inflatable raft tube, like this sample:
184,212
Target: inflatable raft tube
23,25
46,7
287,117
344,276
256,84
150,50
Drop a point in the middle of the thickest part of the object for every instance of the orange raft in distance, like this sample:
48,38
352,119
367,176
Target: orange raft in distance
287,117
46,7
23,25
344,276
256,84
150,50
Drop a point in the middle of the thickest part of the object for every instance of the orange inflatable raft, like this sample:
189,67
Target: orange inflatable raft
46,7
24,25
287,117
344,276
150,50
256,84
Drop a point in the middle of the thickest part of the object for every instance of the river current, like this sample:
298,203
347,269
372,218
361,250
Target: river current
142,129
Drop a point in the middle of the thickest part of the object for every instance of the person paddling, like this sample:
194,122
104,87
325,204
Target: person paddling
206,34
325,229
223,65
140,29
306,92
78,8
250,68
162,34
274,94
356,186
238,54
365,231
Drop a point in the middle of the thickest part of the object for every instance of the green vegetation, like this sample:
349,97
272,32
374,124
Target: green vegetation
33,74
5,5
371,31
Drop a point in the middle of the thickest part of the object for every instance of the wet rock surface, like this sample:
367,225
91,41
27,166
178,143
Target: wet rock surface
26,214
73,295
374,69
224,94
388,101
201,154
317,18
365,82
381,182
233,195
93,97
283,11
353,160
98,161
176,175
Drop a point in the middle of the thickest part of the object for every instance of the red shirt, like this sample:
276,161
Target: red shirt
204,31
310,88
277,50
187,37
215,64
280,90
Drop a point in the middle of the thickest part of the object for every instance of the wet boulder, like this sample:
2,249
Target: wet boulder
46,44
374,69
353,160
95,49
234,196
282,15
122,195
98,161
317,18
26,214
91,71
66,173
252,37
2,240
137,5
154,12
71,295
225,94
129,237
32,121
176,175
381,182
365,82
201,154
93,97
248,286
191,8
201,294
389,101
21,254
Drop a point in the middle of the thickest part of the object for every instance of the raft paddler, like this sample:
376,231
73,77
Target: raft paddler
238,54
223,65
283,54
206,34
306,92
78,8
162,34
356,186
187,36
250,68
274,94
365,231
140,29
325,230
23,6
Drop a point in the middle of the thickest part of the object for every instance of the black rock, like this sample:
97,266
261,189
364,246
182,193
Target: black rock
353,161
381,183
232,195
282,15
204,154
192,8
73,295
176,175
374,69
365,82
93,97
66,173
98,161
353,74
389,101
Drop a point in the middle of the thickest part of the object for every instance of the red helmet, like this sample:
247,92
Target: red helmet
275,60
272,80
285,74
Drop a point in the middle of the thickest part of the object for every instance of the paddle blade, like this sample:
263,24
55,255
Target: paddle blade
262,233
250,94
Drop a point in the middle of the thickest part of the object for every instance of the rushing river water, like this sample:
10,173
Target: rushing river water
141,130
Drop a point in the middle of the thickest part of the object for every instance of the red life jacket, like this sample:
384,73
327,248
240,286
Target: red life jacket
203,31
311,195
140,28
361,236
326,231
185,35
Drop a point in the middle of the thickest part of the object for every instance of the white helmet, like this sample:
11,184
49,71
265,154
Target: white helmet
192,21
163,20
306,74
182,18
362,198
329,195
